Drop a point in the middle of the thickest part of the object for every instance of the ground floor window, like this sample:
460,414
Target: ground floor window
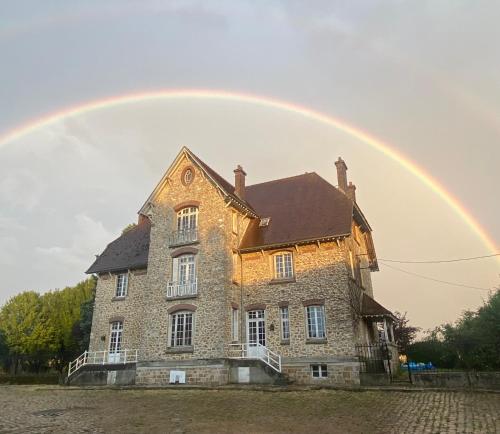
181,329
316,322
319,371
285,323
234,320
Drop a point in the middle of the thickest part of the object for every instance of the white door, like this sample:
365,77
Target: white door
115,342
256,333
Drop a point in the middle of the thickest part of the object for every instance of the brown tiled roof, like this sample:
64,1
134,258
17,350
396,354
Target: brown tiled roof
129,251
371,308
301,208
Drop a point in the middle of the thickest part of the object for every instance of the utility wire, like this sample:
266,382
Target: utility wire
436,280
442,261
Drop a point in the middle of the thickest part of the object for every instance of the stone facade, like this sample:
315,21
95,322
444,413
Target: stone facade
229,279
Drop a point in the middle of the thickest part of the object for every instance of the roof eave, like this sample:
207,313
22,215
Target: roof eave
293,243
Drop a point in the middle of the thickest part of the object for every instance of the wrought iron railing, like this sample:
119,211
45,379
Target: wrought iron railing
373,358
255,351
183,236
182,289
103,358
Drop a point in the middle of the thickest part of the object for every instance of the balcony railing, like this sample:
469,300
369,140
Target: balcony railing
183,236
182,289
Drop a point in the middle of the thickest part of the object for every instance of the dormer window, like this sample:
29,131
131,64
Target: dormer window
283,265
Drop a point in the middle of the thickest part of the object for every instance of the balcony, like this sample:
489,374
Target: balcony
182,237
182,289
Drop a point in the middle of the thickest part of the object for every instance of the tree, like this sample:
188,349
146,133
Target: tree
27,330
404,334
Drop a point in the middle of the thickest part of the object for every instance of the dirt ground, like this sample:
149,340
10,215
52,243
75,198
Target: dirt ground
51,409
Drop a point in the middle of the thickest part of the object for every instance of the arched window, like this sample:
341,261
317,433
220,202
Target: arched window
283,265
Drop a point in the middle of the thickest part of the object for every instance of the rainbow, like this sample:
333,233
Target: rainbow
209,94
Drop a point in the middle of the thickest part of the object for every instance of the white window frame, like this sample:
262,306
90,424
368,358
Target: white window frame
285,323
184,269
115,337
121,287
321,369
235,324
283,265
179,324
315,322
187,218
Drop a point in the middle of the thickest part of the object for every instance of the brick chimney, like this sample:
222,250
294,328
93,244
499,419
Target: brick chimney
239,182
351,191
341,174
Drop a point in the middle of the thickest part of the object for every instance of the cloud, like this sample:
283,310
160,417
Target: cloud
90,237
9,248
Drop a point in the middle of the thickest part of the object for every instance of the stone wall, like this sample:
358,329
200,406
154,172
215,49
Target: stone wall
338,374
128,309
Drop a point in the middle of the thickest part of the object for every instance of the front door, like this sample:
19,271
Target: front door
115,342
256,333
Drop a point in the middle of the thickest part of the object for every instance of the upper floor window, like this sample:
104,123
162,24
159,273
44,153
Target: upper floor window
181,329
121,285
316,322
187,218
283,265
234,222
184,269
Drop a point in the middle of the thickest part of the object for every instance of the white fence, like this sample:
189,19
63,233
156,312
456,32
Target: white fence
255,351
102,358
182,289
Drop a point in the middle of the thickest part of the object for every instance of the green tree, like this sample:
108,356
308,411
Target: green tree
27,330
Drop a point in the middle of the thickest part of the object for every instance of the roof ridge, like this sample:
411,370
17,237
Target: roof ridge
283,179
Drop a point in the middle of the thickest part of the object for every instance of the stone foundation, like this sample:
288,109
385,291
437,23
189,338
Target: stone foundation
339,373
207,373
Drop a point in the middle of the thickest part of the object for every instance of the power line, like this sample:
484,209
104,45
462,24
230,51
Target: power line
442,261
436,280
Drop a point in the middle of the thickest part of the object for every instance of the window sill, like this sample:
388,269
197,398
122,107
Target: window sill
284,280
178,350
285,342
316,341
182,297
119,298
182,243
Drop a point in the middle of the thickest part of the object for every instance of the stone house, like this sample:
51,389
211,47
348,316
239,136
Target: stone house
247,283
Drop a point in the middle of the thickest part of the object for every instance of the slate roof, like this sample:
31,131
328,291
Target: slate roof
301,208
371,308
129,251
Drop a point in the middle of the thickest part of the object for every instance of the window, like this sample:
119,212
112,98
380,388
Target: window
235,222
187,219
121,285
234,321
181,333
351,260
115,338
184,271
235,267
283,268
285,323
316,322
319,371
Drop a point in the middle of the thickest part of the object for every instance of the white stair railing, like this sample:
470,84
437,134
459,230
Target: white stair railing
103,358
255,351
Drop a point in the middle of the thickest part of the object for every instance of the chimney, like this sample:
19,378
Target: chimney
351,191
239,182
341,174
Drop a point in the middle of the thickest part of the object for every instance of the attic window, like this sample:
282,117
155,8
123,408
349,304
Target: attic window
264,222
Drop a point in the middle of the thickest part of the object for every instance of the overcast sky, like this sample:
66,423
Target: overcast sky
422,76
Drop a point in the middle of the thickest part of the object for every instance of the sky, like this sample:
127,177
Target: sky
421,77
